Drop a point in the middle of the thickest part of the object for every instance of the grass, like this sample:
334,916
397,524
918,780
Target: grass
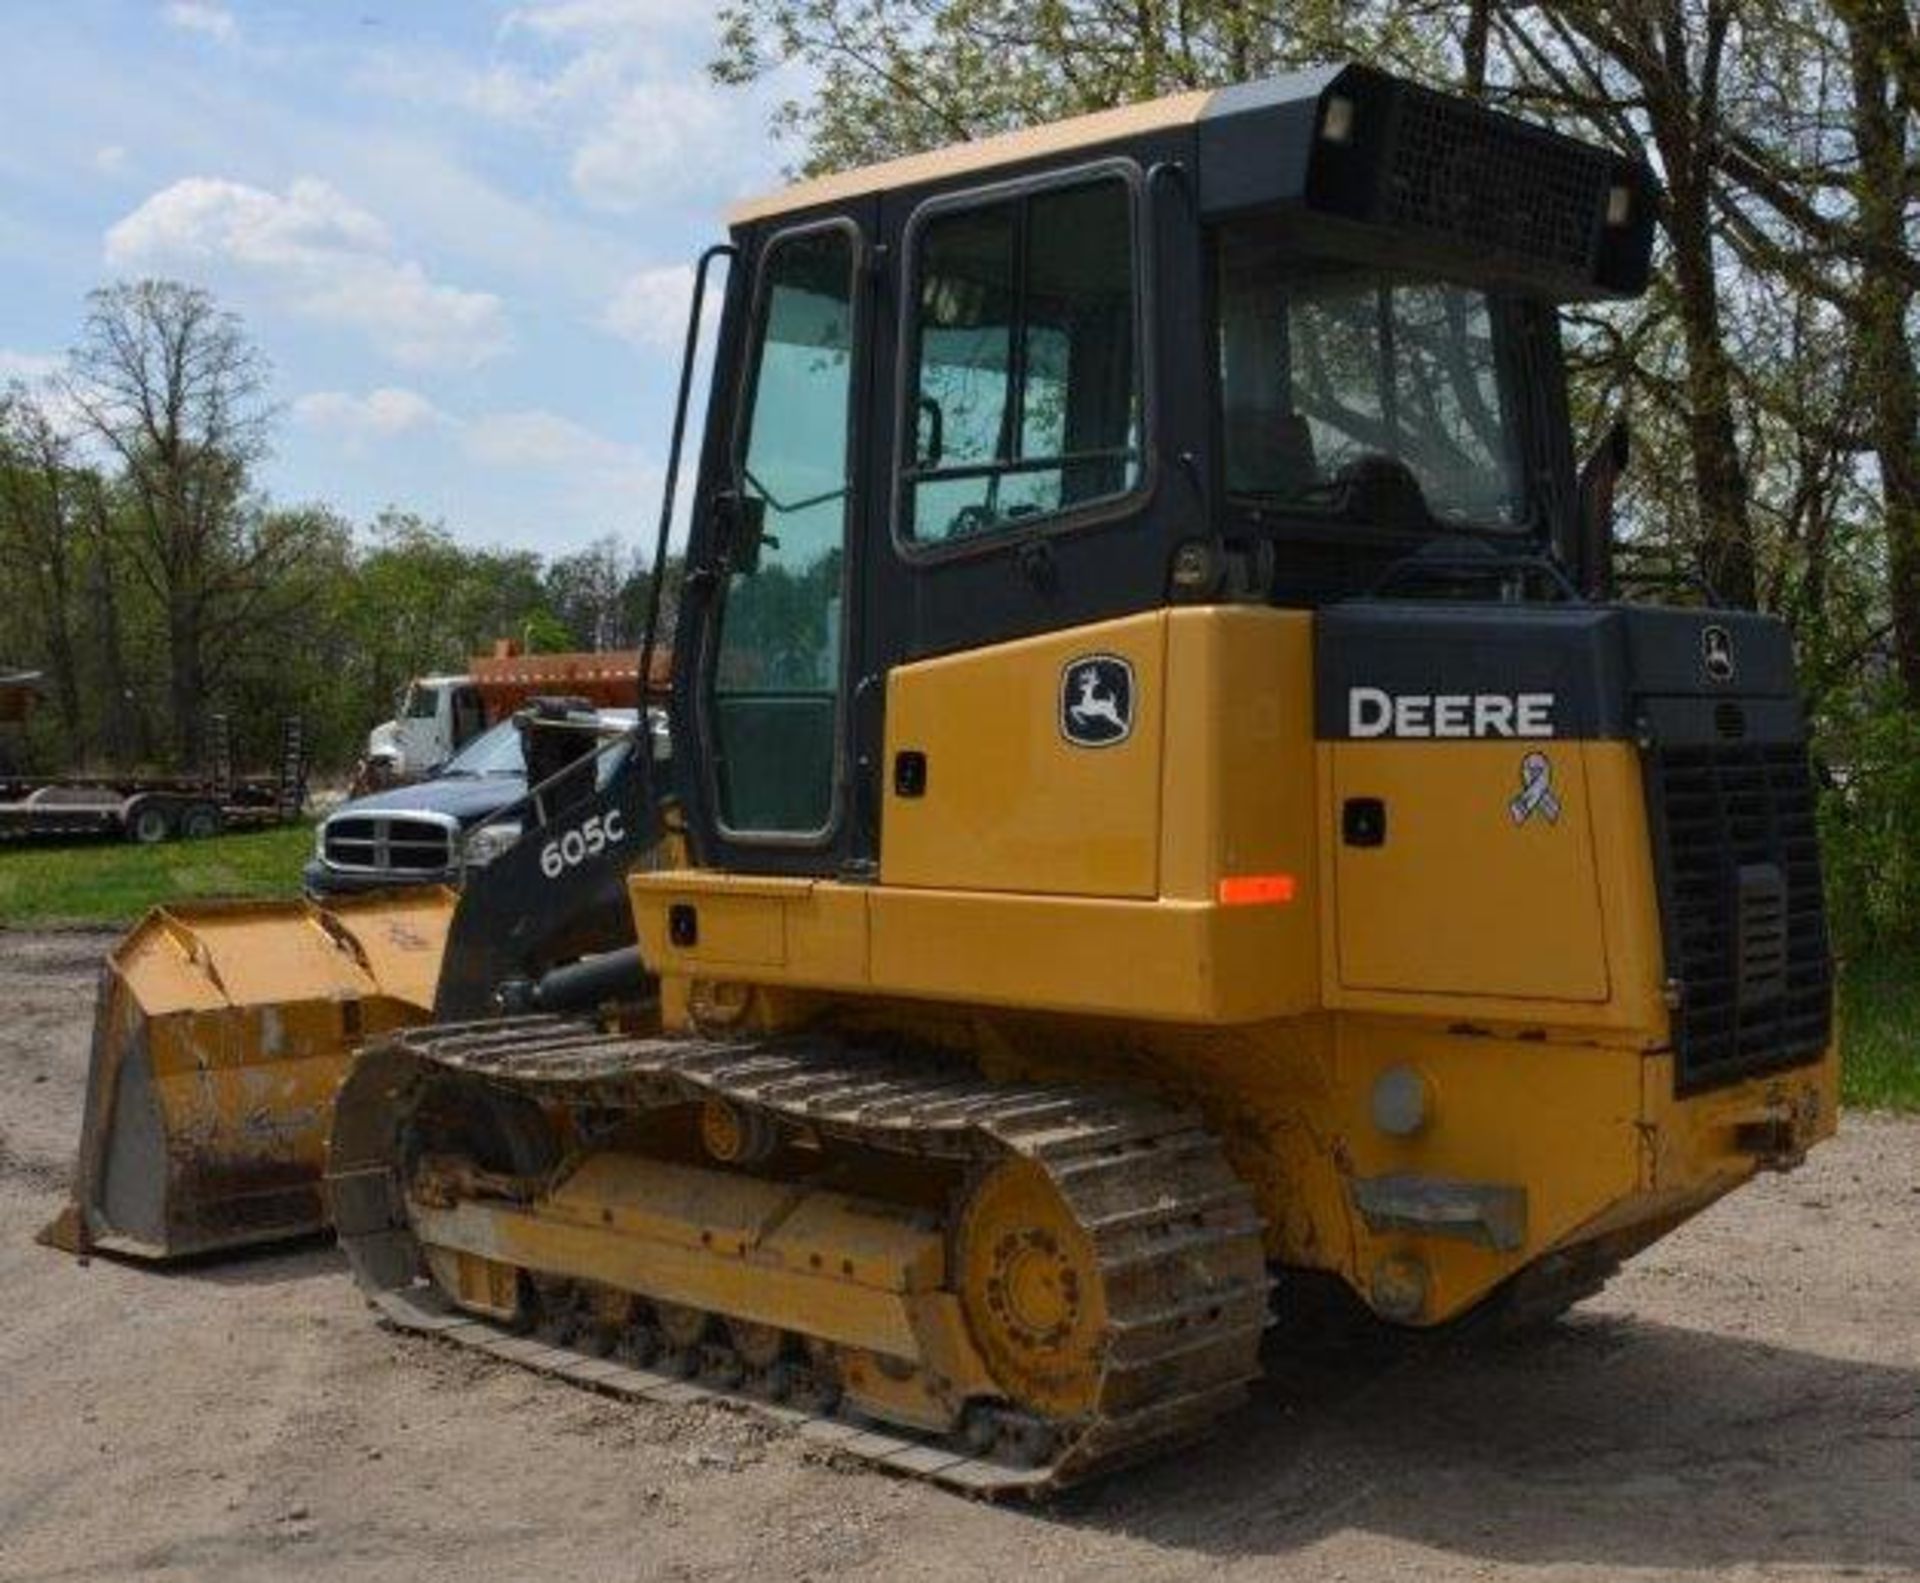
1880,1029
112,882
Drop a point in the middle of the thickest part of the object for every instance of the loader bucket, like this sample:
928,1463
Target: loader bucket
220,1033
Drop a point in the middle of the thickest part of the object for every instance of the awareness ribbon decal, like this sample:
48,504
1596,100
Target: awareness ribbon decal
1536,791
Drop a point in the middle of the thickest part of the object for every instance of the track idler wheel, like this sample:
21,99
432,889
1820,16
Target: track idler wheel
1031,1288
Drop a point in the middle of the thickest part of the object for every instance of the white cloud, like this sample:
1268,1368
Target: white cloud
619,87
597,482
322,254
378,415
200,16
546,474
529,439
599,21
110,160
540,439
29,368
659,137
650,308
205,218
499,92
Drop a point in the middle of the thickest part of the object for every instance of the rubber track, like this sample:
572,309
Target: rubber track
1176,1233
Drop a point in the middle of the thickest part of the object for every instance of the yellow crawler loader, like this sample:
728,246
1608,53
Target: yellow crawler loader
1168,801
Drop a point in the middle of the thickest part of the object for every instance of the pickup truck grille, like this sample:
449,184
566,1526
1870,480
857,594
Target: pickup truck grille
383,843
1742,908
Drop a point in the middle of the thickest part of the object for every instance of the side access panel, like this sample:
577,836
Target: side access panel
988,792
1459,825
1481,881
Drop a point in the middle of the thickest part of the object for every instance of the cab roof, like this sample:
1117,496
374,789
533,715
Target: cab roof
1429,177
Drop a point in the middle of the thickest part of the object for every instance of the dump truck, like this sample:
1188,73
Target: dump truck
1167,813
436,716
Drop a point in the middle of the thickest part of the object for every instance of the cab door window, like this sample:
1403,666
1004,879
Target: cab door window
1024,379
776,663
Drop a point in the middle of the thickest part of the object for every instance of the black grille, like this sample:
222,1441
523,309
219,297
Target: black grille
387,844
1457,171
1742,907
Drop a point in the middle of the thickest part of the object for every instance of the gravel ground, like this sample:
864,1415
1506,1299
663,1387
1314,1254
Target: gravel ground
1743,1402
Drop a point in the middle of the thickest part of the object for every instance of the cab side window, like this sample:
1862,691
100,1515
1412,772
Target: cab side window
1023,383
776,662
469,716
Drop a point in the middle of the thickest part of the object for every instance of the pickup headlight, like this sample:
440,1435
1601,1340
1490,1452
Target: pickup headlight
489,841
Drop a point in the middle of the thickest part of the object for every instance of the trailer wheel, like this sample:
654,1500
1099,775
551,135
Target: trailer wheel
149,824
202,819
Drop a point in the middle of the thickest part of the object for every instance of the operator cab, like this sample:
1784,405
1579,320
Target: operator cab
1267,344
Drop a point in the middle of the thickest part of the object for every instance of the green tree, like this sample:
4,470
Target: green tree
40,491
590,592
899,76
175,391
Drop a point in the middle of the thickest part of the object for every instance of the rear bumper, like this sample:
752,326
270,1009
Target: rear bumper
1530,1153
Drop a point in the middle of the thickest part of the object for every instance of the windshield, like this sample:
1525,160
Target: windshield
1332,372
495,751
422,703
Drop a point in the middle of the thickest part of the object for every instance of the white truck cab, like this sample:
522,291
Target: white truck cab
434,718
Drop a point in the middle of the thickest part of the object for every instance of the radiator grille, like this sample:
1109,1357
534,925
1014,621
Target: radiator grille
383,843
1742,907
1456,171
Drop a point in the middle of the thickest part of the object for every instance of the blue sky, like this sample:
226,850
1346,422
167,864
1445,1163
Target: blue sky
461,231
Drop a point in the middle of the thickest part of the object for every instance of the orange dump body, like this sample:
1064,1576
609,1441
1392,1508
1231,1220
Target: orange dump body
608,681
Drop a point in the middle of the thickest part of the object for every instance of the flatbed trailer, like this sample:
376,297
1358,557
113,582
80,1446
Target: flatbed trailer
154,808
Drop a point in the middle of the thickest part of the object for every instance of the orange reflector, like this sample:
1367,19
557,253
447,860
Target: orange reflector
1250,890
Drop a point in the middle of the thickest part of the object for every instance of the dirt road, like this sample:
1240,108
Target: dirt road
1744,1402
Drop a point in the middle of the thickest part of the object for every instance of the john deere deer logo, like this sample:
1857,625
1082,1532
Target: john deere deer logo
1096,700
1716,653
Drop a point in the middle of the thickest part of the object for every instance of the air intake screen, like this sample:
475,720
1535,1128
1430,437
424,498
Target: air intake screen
1457,171
1742,907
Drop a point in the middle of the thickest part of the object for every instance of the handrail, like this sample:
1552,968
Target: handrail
694,311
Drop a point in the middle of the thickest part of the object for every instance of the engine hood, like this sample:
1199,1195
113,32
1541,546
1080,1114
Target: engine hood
462,798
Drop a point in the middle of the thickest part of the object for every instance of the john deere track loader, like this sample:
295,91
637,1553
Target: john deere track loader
1172,808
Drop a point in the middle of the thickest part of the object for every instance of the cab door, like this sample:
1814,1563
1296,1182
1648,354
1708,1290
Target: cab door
782,515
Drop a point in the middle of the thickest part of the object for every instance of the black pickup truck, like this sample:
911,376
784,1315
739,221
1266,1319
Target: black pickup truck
418,834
